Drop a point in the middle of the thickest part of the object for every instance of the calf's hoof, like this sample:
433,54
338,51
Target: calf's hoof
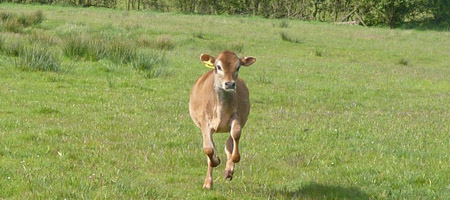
207,186
228,174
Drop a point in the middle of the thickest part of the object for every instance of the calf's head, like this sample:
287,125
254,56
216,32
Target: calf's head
226,69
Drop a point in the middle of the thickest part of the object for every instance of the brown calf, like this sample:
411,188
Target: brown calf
219,103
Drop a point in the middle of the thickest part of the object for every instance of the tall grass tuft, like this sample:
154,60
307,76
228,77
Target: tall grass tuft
97,49
283,24
318,53
2,43
121,51
199,35
38,58
164,43
13,25
6,15
75,46
43,38
151,64
288,38
145,41
14,46
35,18
403,61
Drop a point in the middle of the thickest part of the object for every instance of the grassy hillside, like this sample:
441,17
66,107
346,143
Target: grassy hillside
338,112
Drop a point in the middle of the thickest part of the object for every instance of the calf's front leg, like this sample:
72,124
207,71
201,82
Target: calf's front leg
232,149
210,151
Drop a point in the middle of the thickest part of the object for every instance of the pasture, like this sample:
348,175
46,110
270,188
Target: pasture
338,112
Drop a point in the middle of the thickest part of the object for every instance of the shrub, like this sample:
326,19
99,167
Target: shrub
38,58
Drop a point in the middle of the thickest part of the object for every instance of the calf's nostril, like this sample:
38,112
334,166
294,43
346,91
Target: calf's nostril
230,85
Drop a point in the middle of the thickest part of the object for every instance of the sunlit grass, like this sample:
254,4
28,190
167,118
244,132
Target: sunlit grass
337,116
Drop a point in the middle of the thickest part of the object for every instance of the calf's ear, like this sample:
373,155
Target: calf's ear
205,58
247,61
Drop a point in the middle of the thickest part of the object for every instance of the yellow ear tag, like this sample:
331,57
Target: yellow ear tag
208,64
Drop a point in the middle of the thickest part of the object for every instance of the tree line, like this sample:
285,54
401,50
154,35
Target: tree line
392,13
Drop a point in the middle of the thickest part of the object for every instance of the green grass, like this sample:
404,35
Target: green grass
350,122
288,38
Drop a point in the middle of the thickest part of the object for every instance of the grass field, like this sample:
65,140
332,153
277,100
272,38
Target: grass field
94,105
